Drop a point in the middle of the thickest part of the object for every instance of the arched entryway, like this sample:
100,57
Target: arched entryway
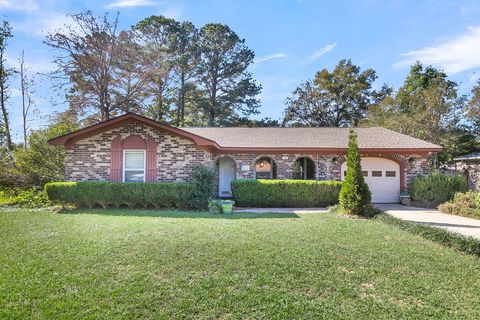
265,168
227,170
303,169
382,176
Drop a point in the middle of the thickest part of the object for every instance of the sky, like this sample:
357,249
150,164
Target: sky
292,39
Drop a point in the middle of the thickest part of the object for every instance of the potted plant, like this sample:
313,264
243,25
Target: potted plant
405,198
213,207
226,205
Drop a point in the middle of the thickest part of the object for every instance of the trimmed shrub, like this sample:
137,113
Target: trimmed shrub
434,189
355,196
285,193
478,201
25,198
204,184
115,194
462,204
369,212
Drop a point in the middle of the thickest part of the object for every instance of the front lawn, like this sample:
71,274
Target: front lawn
144,264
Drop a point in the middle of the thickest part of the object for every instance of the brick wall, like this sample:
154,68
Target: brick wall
176,157
327,167
472,167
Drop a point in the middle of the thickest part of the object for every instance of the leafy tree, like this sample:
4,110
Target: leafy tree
131,75
253,123
88,54
5,73
157,36
473,113
339,98
40,162
185,59
355,196
426,107
306,107
222,73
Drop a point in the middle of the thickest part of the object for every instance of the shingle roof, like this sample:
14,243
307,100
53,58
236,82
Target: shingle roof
471,156
271,139
368,138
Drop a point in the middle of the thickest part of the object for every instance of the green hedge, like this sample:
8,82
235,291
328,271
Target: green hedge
463,204
285,193
434,189
115,194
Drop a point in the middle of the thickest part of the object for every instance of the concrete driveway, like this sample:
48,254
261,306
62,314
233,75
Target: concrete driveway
433,217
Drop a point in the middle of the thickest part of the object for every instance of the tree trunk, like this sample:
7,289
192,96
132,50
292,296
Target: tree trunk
181,103
213,103
182,112
211,118
24,107
160,107
5,113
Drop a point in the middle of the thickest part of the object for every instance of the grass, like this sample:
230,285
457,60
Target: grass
445,237
147,264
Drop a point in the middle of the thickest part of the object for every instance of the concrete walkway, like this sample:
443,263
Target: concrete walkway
433,217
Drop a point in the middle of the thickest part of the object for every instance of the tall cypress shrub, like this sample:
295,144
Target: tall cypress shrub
355,197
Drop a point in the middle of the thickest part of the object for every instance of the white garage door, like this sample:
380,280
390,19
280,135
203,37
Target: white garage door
382,177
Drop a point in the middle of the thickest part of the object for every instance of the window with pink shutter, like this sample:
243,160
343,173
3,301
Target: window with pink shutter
133,159
151,160
116,159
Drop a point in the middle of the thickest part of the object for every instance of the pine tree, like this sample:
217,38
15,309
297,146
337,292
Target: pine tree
355,196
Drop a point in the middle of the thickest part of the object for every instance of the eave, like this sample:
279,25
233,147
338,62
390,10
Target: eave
69,139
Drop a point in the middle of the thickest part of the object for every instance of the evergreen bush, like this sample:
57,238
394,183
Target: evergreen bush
355,197
204,185
434,189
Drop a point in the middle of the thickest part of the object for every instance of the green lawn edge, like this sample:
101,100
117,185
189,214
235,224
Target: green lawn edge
445,237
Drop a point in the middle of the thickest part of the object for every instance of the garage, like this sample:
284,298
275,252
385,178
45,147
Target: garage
382,177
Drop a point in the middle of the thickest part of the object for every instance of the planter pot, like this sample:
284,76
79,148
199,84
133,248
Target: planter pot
214,209
227,208
226,205
406,201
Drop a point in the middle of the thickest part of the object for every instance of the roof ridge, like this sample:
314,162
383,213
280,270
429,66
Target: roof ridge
343,128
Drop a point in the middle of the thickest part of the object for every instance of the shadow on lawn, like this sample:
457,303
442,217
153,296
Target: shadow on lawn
181,214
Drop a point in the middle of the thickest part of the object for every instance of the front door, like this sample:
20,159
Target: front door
226,173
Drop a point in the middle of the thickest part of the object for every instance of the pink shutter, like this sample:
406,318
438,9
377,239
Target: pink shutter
116,159
151,160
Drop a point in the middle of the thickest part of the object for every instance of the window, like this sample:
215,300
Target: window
364,173
390,173
376,173
304,169
134,166
265,168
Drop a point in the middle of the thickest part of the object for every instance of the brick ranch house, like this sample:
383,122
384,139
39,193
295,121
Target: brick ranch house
135,148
